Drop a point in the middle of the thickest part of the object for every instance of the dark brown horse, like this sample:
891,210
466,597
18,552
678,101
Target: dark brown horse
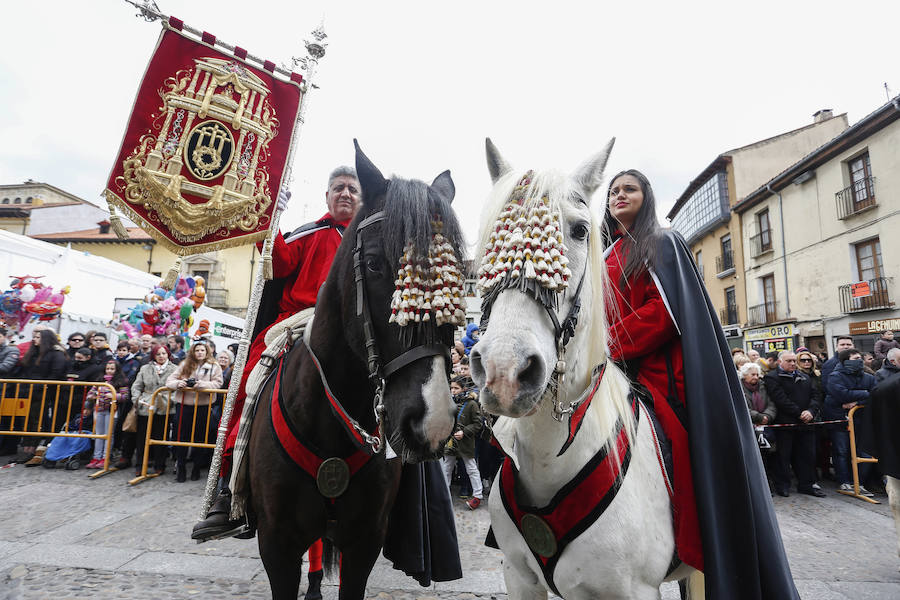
362,358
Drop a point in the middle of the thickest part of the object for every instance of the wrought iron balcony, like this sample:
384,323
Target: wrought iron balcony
879,296
216,297
725,262
760,243
763,314
856,198
729,315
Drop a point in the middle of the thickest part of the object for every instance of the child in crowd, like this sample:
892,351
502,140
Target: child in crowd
101,399
462,442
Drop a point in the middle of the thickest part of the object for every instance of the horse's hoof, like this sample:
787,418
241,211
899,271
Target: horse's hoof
314,591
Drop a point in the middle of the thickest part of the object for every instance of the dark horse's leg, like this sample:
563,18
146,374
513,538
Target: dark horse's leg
357,562
282,561
288,508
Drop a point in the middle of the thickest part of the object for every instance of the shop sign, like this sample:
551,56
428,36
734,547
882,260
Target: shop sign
732,331
766,333
779,344
874,326
227,331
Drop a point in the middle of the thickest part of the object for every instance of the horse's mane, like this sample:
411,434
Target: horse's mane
559,188
411,208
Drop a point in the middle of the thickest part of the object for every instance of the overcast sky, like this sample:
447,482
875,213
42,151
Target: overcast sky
421,84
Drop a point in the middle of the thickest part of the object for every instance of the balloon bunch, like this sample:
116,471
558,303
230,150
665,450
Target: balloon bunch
165,312
30,300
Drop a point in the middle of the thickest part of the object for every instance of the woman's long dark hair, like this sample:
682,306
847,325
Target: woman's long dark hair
118,379
641,240
36,352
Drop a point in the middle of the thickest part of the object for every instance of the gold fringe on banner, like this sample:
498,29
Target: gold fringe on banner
172,276
115,222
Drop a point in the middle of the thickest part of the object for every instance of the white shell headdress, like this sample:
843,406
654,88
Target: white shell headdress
432,292
526,248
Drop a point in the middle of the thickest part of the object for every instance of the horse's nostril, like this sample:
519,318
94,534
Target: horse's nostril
531,374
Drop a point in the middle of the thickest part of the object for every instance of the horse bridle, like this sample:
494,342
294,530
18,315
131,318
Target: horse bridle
563,332
379,373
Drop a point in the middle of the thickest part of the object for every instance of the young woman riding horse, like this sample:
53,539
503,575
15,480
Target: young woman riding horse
584,502
370,378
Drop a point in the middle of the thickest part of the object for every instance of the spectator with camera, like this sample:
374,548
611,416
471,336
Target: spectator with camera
150,378
197,372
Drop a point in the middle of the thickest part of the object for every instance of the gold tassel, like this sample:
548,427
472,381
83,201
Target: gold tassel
268,273
118,228
115,222
172,276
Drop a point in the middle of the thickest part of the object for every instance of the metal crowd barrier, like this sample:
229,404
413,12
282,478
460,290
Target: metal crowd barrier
171,425
17,399
855,460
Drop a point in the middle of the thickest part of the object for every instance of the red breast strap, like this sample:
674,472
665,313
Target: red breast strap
579,503
288,437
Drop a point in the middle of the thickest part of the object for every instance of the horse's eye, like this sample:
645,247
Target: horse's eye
580,231
373,265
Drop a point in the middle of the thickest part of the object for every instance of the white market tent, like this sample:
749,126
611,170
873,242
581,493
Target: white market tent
98,287
95,281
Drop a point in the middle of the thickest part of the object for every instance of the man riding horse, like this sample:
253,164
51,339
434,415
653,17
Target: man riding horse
300,263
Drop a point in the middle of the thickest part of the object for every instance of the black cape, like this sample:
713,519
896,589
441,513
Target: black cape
743,554
421,536
877,425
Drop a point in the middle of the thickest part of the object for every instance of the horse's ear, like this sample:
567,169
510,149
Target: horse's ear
590,174
497,167
373,183
443,185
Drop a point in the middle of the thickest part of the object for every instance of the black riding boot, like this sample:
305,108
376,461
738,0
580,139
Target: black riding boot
217,519
314,591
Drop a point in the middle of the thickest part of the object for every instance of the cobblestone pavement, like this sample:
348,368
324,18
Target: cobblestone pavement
66,536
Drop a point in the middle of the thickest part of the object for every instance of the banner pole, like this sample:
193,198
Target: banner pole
315,51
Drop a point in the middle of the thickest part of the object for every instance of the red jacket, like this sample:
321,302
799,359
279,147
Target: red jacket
641,329
304,262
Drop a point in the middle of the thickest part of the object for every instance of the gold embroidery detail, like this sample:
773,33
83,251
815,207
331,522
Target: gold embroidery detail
153,176
208,145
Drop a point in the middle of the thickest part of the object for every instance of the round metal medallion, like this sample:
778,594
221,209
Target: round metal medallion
209,150
538,535
333,477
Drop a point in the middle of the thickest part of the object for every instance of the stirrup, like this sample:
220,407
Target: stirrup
242,528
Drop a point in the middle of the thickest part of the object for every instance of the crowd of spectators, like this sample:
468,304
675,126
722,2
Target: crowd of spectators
799,402
135,370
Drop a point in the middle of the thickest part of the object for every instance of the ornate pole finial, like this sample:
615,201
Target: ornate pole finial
148,10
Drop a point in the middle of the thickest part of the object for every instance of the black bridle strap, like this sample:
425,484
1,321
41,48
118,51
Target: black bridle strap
566,331
415,354
362,307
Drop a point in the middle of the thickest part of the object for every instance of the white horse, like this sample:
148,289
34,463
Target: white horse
539,386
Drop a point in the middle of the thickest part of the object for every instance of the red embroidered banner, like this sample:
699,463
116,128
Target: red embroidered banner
205,148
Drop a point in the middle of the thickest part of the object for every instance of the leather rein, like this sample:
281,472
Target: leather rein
379,373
